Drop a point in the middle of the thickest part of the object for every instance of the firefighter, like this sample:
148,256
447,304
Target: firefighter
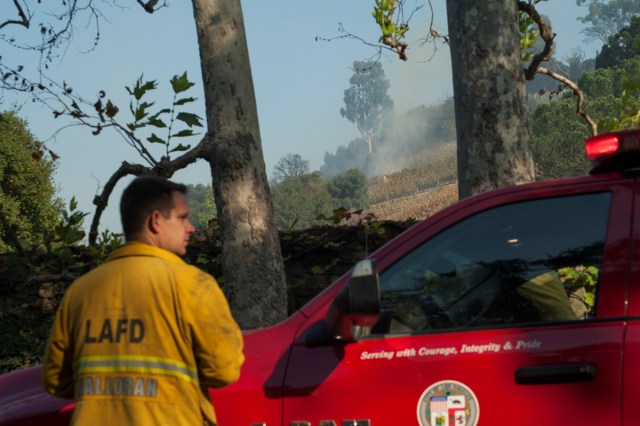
141,338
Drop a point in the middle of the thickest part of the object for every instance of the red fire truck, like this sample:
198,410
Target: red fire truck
516,306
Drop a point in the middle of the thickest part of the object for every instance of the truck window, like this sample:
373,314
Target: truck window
528,262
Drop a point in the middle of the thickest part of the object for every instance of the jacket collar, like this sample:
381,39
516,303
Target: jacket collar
136,248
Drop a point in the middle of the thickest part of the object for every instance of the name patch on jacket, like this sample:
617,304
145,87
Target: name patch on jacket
115,331
116,386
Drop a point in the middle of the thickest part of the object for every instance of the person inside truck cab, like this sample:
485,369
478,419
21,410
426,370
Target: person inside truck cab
496,268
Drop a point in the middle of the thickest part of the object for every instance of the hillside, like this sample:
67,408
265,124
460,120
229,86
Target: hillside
417,206
427,185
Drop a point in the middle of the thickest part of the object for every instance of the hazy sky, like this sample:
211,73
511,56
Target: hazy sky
299,81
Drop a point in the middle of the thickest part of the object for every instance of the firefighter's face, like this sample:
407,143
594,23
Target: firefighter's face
174,232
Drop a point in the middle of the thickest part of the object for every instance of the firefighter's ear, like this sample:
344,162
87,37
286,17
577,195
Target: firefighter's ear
153,222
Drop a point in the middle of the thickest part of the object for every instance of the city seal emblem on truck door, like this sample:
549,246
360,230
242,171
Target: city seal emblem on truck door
448,403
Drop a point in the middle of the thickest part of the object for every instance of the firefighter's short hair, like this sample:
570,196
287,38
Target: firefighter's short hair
142,197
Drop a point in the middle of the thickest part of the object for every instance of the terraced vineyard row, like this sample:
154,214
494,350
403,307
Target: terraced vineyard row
427,185
430,169
417,206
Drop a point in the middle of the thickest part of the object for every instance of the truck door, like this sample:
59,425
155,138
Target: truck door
631,369
512,313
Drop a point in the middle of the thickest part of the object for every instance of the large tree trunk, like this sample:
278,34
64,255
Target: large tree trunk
254,279
489,95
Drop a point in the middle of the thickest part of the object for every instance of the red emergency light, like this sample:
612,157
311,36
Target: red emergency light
616,151
602,145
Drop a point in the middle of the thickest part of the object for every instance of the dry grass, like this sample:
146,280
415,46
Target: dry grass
428,185
417,206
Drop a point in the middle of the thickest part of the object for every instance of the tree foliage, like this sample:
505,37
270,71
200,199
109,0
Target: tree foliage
610,81
353,155
613,96
288,166
202,206
155,132
557,140
579,64
299,200
607,17
366,101
622,45
350,189
615,90
29,208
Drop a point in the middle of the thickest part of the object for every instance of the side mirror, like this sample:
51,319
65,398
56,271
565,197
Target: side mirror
358,303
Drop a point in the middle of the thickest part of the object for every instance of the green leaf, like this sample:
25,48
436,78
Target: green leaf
162,111
183,133
155,139
73,236
184,101
141,111
180,148
180,84
189,119
589,299
402,30
389,29
141,88
135,126
73,204
156,122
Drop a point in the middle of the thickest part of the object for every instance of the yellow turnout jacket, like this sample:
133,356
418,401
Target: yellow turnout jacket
139,339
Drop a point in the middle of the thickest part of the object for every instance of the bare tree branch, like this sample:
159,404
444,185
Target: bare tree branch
347,34
398,46
24,21
576,90
545,34
99,115
433,35
165,169
63,101
58,29
102,200
389,42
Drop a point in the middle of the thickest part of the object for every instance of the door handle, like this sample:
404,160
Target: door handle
559,373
